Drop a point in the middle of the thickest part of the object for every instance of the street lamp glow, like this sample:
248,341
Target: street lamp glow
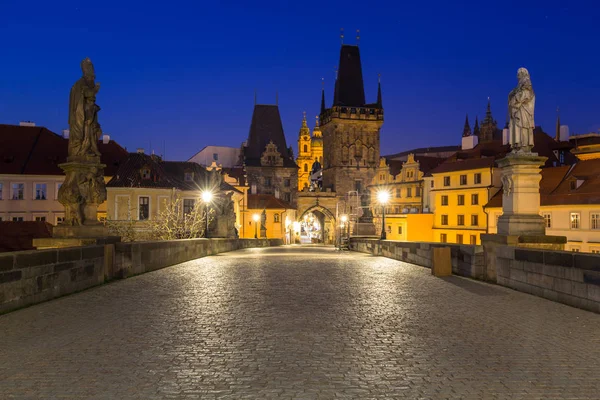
256,217
207,196
344,218
383,196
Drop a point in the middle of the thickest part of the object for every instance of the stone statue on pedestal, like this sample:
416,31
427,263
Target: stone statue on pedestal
84,188
521,104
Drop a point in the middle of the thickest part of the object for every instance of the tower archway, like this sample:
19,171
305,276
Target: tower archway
317,225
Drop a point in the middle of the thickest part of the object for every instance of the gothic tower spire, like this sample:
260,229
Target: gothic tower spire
322,95
476,131
467,128
557,137
488,125
379,103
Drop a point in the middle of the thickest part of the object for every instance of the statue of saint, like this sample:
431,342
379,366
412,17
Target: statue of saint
83,114
521,104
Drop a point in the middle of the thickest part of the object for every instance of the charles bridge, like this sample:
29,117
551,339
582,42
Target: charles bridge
255,319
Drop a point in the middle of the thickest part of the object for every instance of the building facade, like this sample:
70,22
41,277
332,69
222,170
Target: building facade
30,175
310,154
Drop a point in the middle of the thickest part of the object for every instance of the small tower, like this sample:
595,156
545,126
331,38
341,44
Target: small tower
304,159
467,128
476,130
557,136
317,144
488,126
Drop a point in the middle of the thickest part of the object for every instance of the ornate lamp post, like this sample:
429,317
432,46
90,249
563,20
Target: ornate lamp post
206,198
383,196
256,218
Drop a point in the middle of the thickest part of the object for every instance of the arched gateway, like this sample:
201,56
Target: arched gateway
317,217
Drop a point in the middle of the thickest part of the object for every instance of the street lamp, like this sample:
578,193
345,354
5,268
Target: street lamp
256,217
383,196
344,219
207,197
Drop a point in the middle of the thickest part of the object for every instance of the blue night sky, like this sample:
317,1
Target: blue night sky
185,72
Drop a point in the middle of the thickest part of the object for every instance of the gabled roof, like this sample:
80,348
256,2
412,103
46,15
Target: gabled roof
267,201
555,186
426,164
266,127
38,151
349,89
425,151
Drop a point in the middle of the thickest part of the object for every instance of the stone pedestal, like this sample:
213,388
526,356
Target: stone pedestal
364,229
521,198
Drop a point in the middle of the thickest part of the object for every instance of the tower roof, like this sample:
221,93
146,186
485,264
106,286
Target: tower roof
304,131
349,88
467,128
266,127
476,131
317,131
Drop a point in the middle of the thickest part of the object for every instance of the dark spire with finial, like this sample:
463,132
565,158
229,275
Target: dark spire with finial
476,131
379,102
467,128
322,95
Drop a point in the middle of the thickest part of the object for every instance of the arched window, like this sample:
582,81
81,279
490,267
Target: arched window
305,148
305,167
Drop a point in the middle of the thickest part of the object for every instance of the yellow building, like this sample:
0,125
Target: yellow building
569,198
310,152
404,181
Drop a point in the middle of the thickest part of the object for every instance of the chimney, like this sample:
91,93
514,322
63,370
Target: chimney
469,142
564,133
140,150
105,139
26,123
66,133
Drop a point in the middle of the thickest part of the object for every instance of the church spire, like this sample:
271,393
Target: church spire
304,131
379,103
467,128
476,131
322,95
557,137
317,130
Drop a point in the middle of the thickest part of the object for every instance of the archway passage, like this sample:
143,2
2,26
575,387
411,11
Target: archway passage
317,225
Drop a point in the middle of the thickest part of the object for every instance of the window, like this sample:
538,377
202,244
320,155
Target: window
397,210
477,178
459,239
473,239
595,251
418,190
595,220
40,219
575,249
40,191
463,179
146,173
215,156
287,182
276,217
305,167
17,219
188,176
408,192
358,185
398,192
574,220
400,230
444,200
58,185
287,197
432,184
461,199
547,220
389,229
18,191
305,148
188,205
446,181
268,182
444,220
443,238
60,220
144,209
474,220
474,199
460,220
1,191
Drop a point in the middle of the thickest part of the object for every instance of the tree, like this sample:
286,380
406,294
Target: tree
173,223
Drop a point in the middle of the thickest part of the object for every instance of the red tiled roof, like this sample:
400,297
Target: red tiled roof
267,201
38,151
555,186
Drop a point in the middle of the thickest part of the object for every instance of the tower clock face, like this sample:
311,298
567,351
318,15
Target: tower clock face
305,137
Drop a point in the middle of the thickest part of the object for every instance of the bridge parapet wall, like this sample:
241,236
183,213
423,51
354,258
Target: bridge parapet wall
34,276
467,260
566,277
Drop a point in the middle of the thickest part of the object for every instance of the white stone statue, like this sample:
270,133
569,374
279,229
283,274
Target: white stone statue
521,104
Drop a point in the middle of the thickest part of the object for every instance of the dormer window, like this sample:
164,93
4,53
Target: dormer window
188,176
145,172
576,184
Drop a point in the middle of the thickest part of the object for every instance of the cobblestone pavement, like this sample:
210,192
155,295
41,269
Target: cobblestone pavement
299,323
